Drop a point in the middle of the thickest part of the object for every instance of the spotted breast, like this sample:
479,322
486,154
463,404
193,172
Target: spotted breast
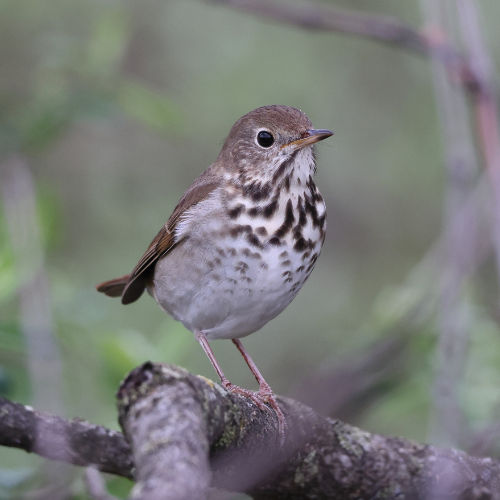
268,237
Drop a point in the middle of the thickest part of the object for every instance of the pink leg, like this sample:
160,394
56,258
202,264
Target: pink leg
202,339
264,387
265,391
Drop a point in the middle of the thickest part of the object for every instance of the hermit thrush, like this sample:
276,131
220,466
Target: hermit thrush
242,240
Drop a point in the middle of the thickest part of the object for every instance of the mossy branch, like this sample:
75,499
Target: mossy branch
186,433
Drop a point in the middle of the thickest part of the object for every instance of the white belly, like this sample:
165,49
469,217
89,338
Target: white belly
228,293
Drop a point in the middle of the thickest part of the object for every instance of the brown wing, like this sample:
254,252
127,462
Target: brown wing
160,246
139,277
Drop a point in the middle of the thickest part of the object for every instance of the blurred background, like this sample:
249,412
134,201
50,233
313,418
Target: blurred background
109,110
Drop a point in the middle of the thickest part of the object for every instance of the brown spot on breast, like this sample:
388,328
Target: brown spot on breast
297,232
236,211
235,231
275,241
313,190
256,190
269,209
300,245
285,263
255,255
283,254
241,267
302,212
287,223
261,230
281,170
253,240
310,208
286,183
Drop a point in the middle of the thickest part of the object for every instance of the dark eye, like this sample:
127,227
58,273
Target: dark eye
265,139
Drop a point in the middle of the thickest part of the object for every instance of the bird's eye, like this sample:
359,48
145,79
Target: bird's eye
265,139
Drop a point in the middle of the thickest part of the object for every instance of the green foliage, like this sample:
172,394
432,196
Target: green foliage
152,108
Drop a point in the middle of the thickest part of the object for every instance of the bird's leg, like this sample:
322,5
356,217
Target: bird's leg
202,339
265,391
255,397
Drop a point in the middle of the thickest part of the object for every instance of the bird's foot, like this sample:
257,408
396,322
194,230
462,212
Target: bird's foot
254,396
267,395
262,399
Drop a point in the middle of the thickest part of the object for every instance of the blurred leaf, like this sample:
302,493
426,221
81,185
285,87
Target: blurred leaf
11,478
153,108
8,276
479,392
119,486
49,213
122,351
5,381
107,42
11,339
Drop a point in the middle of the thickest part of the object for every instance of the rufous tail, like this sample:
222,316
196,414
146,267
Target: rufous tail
113,288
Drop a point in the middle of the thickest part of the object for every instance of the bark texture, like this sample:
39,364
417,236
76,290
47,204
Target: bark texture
186,433
322,457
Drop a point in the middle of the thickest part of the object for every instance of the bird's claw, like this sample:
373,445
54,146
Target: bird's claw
265,400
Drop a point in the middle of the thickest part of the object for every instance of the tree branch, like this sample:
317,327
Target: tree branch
380,28
322,458
186,432
73,441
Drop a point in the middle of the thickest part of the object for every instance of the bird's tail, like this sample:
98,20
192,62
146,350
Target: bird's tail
113,288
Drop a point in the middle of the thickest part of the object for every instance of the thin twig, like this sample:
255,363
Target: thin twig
43,356
461,167
485,105
35,316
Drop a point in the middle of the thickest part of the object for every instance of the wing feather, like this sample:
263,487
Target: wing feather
165,240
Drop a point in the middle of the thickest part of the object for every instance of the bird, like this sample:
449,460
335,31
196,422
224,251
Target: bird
241,241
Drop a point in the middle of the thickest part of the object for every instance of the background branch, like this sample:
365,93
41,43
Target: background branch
376,27
447,422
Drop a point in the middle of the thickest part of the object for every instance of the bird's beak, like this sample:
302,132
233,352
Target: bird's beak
310,137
